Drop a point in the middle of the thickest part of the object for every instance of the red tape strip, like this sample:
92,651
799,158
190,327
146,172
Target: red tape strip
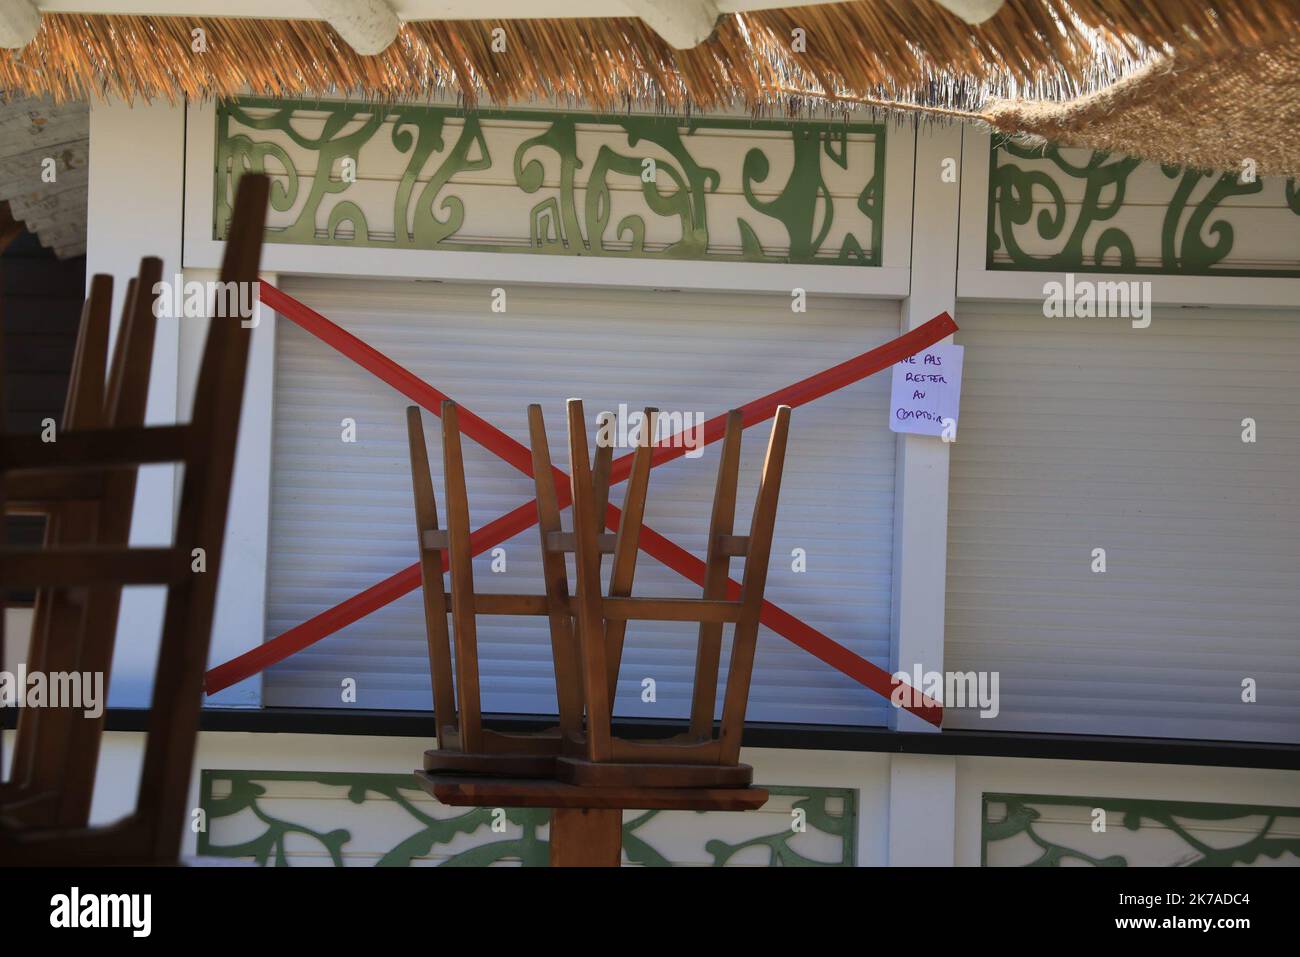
523,517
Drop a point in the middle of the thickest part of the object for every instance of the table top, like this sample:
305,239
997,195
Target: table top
461,790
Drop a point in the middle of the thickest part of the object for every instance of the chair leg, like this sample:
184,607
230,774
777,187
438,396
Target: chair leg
708,654
84,408
602,462
591,631
431,560
625,544
564,646
745,639
464,624
125,399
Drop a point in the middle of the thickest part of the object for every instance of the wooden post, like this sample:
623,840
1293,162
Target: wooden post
586,837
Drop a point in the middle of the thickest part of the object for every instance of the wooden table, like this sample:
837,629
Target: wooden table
586,822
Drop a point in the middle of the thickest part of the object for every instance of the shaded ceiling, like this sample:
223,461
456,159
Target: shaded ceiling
44,149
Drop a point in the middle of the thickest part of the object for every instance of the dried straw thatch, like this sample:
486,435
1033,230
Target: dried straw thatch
911,51
1205,83
1207,112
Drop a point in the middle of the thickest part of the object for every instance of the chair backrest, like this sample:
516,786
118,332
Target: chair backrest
201,523
57,748
189,567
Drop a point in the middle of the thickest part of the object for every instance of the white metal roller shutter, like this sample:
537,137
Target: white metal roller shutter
341,514
1079,434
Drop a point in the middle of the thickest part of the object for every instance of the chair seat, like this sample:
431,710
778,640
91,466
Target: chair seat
467,791
528,754
619,774
478,764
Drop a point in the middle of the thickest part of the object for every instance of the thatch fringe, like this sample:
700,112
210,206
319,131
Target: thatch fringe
1205,113
911,51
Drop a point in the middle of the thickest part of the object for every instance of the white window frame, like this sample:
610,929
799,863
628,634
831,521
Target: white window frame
950,226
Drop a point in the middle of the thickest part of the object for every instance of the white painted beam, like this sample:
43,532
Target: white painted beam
19,21
683,23
972,11
922,809
368,26
921,486
239,618
134,209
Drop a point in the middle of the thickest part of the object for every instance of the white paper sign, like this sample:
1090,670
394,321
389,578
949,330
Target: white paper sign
926,390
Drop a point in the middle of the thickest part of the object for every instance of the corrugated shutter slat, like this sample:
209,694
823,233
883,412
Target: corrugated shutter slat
341,516
1086,433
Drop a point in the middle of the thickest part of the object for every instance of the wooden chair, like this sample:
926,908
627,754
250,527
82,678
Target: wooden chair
696,758
556,543
206,448
57,749
464,744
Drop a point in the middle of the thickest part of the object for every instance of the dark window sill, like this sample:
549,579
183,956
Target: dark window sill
1008,744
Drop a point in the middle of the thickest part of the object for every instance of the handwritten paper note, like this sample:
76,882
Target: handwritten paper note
926,390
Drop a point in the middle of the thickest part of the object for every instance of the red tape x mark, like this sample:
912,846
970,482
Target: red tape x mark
525,516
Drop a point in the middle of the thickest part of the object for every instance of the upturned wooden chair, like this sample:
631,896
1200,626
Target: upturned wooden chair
206,447
587,659
57,749
464,744
696,758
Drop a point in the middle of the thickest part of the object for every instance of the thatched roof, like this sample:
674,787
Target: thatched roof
1206,82
1207,112
910,50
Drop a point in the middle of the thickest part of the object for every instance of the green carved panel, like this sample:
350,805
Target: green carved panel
1048,212
379,807
1036,830
333,161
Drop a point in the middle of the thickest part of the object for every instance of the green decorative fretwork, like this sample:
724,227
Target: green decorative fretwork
237,800
326,205
1034,226
1265,831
